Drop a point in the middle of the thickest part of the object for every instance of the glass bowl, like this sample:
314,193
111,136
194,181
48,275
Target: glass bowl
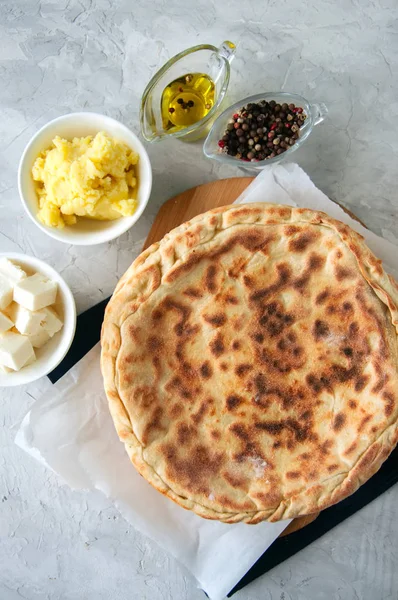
316,113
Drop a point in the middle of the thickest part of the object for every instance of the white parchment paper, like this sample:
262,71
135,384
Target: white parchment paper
87,454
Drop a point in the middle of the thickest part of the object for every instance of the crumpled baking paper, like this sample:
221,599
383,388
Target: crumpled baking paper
87,454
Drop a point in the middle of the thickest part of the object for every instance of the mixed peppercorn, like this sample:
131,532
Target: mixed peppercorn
262,130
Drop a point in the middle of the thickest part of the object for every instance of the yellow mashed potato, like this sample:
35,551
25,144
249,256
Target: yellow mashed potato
87,177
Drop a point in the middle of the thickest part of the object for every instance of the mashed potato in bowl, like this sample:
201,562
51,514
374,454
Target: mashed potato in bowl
86,177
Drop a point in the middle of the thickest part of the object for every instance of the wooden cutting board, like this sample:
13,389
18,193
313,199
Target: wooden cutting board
187,205
193,202
198,200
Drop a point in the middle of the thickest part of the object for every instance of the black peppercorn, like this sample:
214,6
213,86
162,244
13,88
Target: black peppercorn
260,130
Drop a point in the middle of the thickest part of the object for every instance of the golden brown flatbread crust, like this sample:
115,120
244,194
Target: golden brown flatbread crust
250,361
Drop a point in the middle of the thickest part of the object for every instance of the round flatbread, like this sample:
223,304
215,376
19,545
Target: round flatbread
250,361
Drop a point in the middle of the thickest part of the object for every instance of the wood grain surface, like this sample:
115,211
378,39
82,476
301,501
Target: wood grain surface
197,200
193,202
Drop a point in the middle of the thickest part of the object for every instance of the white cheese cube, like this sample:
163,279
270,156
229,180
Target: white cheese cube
35,292
52,323
28,362
31,359
5,292
26,321
11,271
40,338
5,323
15,350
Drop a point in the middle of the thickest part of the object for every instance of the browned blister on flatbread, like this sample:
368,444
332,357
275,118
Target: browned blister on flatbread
250,362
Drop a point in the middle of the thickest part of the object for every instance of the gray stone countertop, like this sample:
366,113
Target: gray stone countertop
59,56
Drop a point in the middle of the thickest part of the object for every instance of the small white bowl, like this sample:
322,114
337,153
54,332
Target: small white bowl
86,232
50,355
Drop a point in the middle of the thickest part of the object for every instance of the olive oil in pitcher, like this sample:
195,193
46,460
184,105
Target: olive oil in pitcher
186,101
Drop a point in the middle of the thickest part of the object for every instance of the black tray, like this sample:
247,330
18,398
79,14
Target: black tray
88,334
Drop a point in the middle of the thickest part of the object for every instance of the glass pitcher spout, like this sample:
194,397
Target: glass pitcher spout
227,50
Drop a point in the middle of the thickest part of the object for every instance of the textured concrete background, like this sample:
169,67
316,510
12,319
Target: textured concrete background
62,56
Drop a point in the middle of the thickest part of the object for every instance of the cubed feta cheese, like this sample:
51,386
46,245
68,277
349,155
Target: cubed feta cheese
52,323
15,350
35,292
28,362
26,321
40,338
5,292
11,271
5,323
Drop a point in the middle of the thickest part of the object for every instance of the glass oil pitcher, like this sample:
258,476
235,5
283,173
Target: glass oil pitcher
184,97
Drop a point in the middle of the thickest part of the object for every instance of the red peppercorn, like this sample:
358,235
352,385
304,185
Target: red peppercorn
236,116
299,110
221,143
287,125
273,126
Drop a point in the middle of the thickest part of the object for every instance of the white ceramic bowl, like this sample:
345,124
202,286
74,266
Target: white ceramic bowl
87,231
51,354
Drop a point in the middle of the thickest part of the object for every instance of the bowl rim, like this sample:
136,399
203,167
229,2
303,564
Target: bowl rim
257,165
94,237
19,377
